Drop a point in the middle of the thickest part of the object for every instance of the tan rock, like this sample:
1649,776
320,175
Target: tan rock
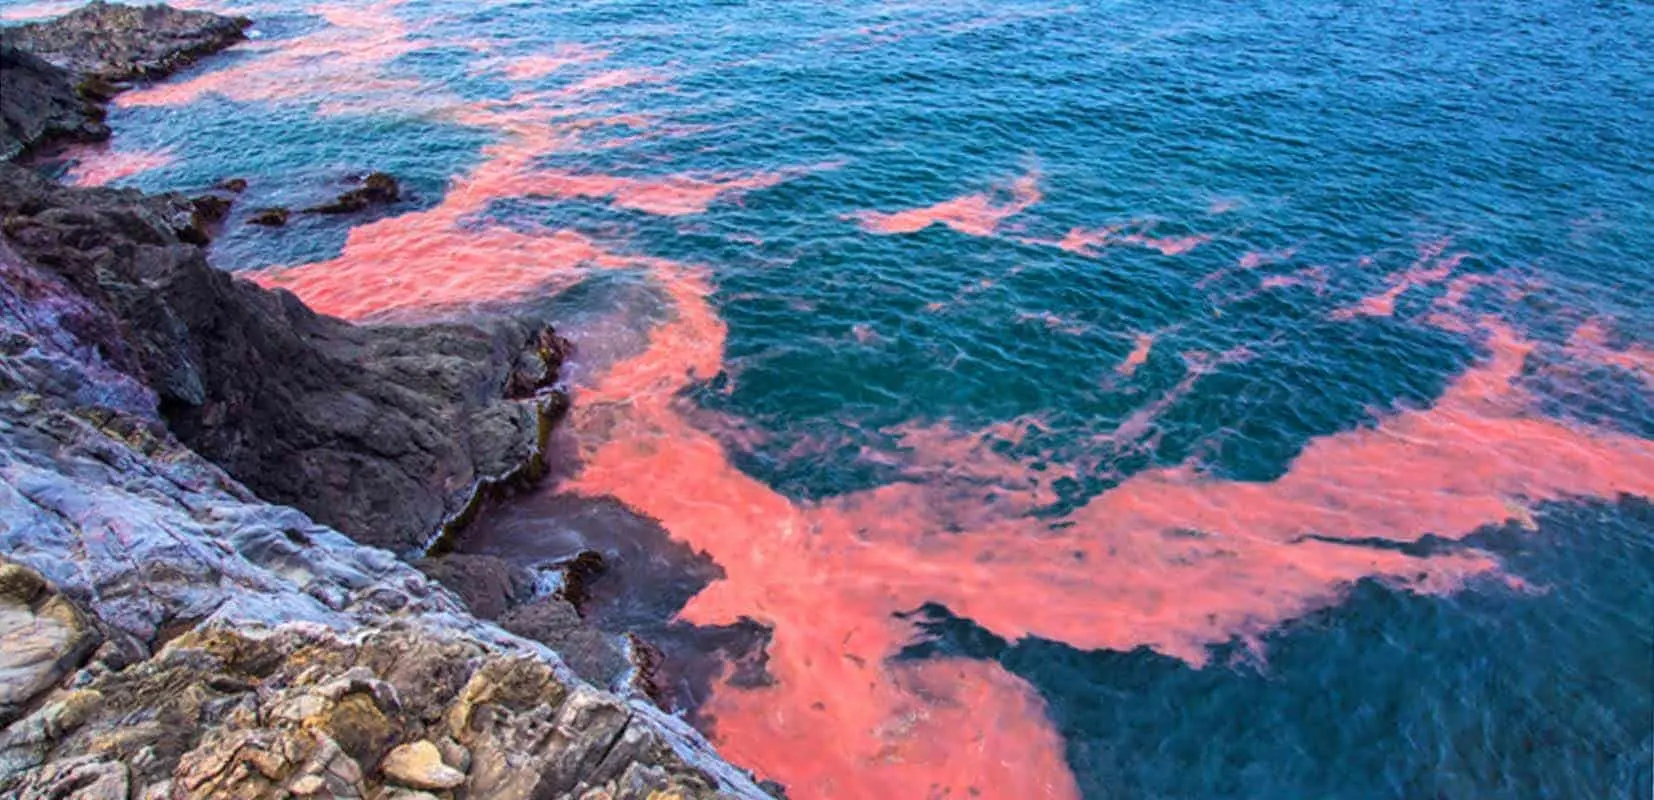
419,765
42,638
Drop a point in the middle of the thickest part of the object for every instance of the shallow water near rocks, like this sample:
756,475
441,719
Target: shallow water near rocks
1090,399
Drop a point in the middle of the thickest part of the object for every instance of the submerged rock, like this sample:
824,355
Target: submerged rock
269,217
114,42
377,189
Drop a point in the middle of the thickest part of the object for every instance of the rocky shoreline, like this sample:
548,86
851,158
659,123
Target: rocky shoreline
196,476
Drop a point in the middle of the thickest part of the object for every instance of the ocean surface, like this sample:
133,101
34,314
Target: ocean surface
1031,399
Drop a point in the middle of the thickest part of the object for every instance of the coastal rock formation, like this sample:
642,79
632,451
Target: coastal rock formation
54,74
39,103
111,42
383,433
168,634
165,632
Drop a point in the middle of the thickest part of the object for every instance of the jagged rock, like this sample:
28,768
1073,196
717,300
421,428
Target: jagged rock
576,575
38,104
377,189
537,367
419,765
117,42
384,433
233,185
269,217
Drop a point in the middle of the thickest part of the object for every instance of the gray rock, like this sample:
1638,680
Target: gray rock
55,74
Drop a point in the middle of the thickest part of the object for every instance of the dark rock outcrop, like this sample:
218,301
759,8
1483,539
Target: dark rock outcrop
110,42
39,103
55,75
269,217
377,189
384,433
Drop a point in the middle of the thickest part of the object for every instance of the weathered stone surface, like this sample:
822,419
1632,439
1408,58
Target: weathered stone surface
419,765
593,654
117,42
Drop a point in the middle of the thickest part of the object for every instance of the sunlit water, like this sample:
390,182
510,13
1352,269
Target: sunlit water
1101,399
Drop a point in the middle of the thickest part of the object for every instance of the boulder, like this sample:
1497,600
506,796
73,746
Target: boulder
419,765
43,637
489,586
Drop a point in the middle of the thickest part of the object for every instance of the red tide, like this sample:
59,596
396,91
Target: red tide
99,165
977,214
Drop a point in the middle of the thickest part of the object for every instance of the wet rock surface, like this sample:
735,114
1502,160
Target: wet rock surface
383,433
115,42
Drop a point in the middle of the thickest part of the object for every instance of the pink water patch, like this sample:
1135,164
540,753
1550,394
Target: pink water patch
342,64
1142,345
539,65
614,79
95,165
1430,268
671,195
1590,342
977,214
22,12
1169,559
1090,241
1170,245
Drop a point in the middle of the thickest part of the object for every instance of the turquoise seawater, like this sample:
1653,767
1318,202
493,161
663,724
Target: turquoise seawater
1169,234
